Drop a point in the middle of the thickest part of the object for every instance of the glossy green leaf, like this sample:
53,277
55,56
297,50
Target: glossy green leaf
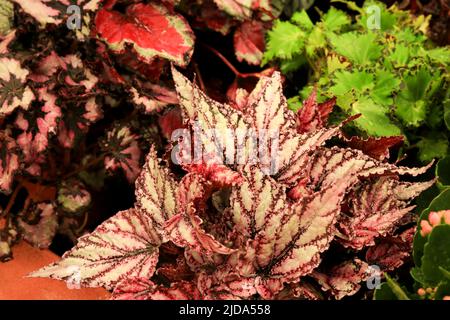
436,255
441,202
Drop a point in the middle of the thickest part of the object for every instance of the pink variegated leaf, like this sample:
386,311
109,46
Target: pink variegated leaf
44,11
376,147
156,191
255,199
73,197
307,231
77,74
375,209
226,283
268,288
237,96
284,240
37,126
77,94
40,234
9,161
14,92
219,175
185,229
198,261
152,97
214,125
144,289
344,279
120,248
177,271
249,42
123,152
244,9
301,291
6,40
267,107
54,11
207,15
391,252
312,115
330,164
295,154
239,9
76,120
47,67
170,121
225,135
150,28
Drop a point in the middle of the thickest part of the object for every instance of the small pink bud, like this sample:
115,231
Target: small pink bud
434,218
426,228
421,292
446,298
447,216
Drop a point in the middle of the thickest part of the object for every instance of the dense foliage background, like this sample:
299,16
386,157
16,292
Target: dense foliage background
87,92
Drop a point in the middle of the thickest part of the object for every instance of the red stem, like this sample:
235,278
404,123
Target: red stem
230,65
200,80
11,201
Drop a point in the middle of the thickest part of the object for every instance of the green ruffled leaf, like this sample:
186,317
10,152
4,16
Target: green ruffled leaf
440,55
359,48
386,84
302,19
359,81
374,119
334,20
400,56
284,41
432,146
412,100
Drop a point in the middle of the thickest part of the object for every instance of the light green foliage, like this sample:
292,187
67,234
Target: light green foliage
286,40
393,75
6,16
359,48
